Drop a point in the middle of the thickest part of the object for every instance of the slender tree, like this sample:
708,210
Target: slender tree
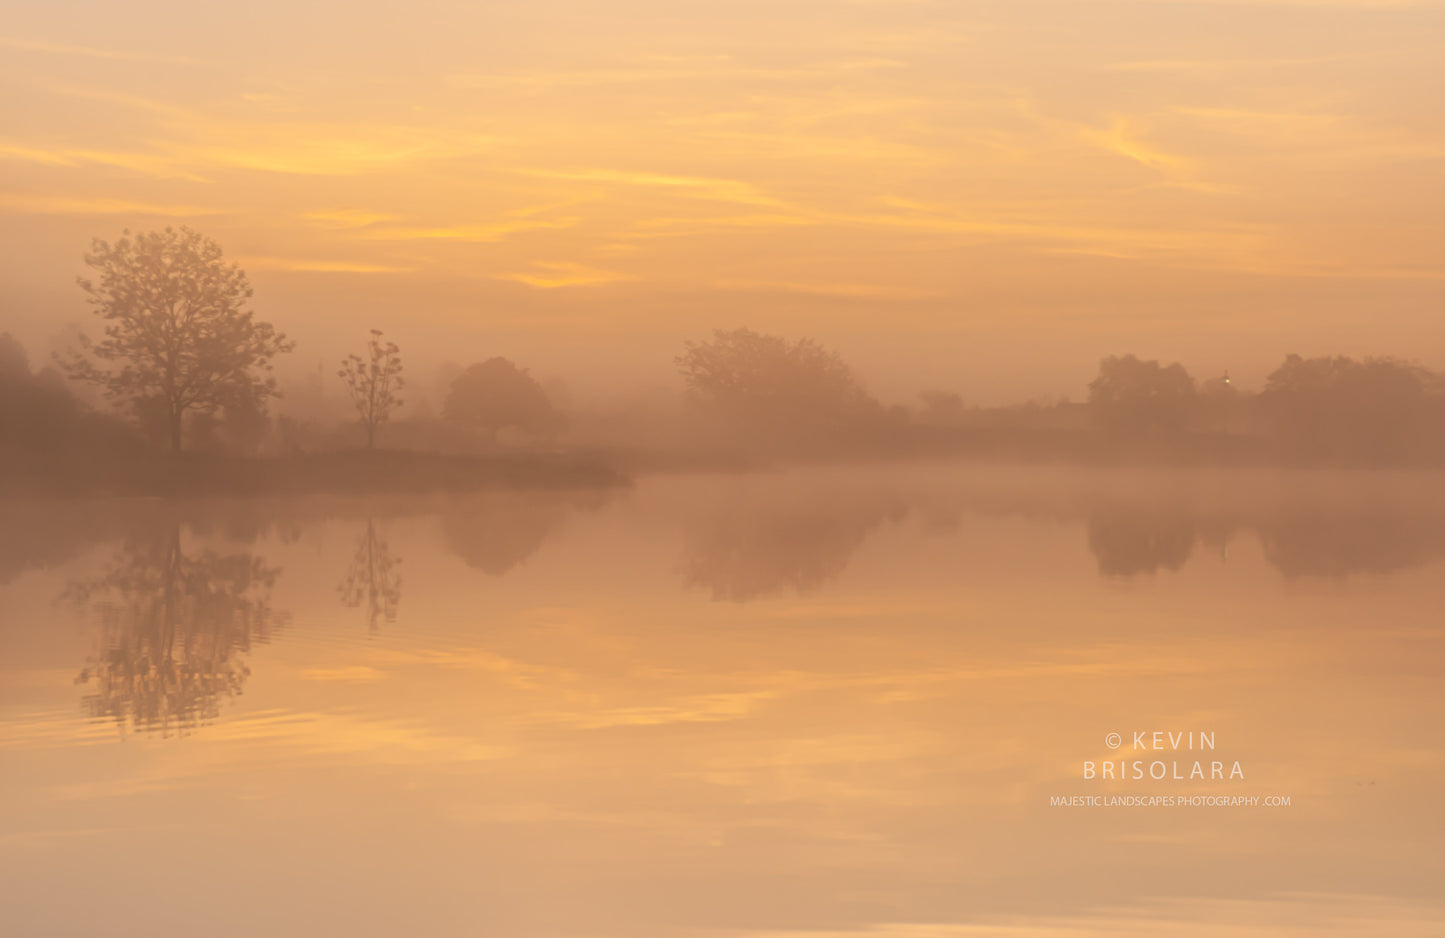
178,336
373,382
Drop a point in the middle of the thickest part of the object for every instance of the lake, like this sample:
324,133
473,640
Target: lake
823,702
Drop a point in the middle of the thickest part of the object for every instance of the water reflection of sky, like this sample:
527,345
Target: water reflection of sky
811,704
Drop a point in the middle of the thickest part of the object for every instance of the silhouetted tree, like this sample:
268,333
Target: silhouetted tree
496,394
793,389
174,627
941,408
373,382
1364,411
1135,397
14,363
40,418
373,578
177,331
27,410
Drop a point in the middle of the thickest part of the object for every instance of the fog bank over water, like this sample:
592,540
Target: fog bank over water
747,534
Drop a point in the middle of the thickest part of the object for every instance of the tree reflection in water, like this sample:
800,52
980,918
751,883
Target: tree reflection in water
174,628
1128,540
749,551
1314,541
373,580
498,532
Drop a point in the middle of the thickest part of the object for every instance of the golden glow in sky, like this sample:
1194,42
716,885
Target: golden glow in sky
984,196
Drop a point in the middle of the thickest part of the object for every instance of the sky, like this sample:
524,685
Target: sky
985,197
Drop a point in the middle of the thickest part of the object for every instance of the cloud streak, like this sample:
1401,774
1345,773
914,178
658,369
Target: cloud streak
551,275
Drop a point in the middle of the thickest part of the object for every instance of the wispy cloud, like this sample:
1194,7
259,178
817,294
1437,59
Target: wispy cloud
1214,65
26,204
485,232
700,187
57,48
317,149
550,275
1252,120
347,218
193,143
833,148
1036,228
1120,138
307,265
672,69
825,288
676,226
158,166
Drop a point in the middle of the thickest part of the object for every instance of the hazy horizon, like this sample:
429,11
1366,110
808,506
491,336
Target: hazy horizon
985,198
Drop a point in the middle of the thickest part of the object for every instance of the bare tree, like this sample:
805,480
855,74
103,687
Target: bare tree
178,336
373,382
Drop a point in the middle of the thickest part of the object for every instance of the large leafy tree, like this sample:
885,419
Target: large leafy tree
1371,410
1133,396
178,335
769,384
496,394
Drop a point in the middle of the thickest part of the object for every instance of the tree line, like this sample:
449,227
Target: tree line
182,353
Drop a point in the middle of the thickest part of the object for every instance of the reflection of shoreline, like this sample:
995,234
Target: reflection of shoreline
785,533
797,531
1308,523
366,473
1128,540
60,529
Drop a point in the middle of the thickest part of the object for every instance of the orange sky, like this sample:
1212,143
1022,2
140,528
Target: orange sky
981,196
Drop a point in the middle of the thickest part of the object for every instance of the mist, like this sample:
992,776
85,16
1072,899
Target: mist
646,469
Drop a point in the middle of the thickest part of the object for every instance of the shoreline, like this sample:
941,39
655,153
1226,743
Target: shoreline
379,472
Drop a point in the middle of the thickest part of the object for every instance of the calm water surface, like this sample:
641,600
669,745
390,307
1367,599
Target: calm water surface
816,703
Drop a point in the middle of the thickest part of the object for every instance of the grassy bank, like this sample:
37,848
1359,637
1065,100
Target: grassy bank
356,473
